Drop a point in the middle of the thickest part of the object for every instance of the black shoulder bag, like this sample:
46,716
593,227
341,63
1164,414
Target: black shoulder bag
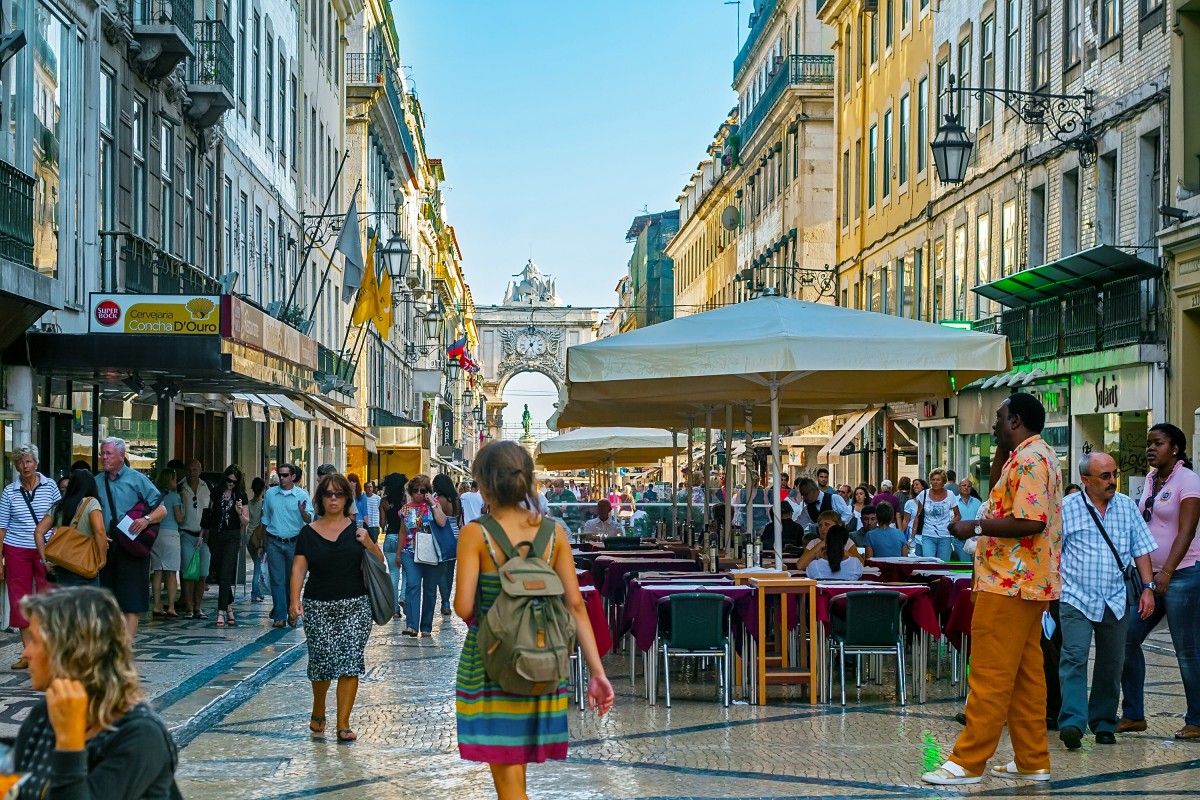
1129,572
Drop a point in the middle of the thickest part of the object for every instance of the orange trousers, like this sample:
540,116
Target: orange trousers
1007,684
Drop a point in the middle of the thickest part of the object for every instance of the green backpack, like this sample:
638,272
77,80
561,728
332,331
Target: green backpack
527,636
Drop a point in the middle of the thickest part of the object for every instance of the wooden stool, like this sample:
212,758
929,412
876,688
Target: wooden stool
787,668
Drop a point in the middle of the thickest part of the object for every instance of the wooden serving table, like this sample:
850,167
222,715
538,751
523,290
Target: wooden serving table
792,662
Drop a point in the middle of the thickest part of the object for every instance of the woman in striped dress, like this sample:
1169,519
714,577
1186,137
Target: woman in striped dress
509,731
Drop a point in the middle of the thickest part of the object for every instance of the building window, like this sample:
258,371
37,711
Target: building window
139,166
1037,225
167,173
283,104
902,155
872,164
1041,43
918,281
964,77
1149,187
905,14
1012,44
987,67
1072,38
887,153
937,297
209,244
272,264
943,80
960,272
858,179
1150,5
107,176
1068,234
189,204
241,55
862,51
904,287
922,123
256,68
229,233
259,254
244,234
1107,184
874,38
847,55
1008,238
845,188
295,101
889,23
1110,19
269,95
873,293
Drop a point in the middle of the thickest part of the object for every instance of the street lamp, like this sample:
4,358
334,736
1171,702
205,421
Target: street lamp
1066,117
434,321
397,254
453,367
479,414
468,398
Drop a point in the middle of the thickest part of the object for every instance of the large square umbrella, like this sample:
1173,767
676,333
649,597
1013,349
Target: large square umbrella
586,447
795,359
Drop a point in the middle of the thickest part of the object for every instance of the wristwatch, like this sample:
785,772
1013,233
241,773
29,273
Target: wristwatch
1152,586
978,528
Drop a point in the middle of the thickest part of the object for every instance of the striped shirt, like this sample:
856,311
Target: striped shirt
373,510
1090,576
15,517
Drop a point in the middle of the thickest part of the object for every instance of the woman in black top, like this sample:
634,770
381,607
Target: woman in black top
336,610
231,508
93,736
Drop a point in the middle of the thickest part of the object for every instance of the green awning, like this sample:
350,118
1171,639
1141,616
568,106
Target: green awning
1088,269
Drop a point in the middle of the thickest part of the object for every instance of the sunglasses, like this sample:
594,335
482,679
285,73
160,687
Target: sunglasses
1148,512
334,493
231,479
284,474
421,491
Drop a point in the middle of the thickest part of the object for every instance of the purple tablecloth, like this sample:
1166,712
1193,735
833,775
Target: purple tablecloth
641,607
609,571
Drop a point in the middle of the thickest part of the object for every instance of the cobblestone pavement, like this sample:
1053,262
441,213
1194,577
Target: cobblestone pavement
238,702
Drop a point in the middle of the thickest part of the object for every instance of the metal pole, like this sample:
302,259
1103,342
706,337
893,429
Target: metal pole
312,241
691,471
748,423
775,499
707,468
328,267
674,482
96,429
728,534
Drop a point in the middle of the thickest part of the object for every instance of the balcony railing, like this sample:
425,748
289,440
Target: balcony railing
755,31
213,63
365,68
148,269
180,13
797,70
330,363
1124,312
16,215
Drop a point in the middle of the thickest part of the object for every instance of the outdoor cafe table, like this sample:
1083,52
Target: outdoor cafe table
918,611
641,616
900,568
595,612
609,571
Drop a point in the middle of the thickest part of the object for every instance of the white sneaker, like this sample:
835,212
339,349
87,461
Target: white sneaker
1013,772
950,774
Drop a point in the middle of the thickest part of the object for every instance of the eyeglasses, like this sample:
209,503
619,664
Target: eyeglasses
284,474
334,493
1110,476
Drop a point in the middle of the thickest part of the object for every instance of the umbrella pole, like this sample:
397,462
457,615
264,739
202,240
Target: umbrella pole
691,443
728,530
776,501
748,423
674,482
709,538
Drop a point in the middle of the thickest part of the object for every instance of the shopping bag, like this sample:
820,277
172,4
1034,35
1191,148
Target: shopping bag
191,570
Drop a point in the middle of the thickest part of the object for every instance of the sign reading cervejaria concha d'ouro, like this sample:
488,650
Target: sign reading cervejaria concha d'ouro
155,313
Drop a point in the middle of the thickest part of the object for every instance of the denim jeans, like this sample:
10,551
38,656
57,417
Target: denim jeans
258,585
420,592
1099,709
446,581
959,553
937,547
279,570
1179,606
391,544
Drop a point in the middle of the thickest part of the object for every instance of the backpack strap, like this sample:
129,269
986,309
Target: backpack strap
490,525
545,536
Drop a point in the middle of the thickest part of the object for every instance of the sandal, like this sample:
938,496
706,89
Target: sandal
316,725
220,619
171,614
158,614
199,615
20,663
278,624
346,736
408,632
230,619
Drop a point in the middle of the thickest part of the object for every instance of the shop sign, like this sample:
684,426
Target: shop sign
248,325
931,409
447,428
1111,391
181,314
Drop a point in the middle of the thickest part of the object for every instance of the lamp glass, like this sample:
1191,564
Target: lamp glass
468,397
433,324
398,255
453,368
951,150
479,414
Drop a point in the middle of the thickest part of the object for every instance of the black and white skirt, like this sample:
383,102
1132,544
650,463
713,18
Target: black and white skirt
337,633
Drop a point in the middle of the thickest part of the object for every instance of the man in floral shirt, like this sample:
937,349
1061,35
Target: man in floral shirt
1016,576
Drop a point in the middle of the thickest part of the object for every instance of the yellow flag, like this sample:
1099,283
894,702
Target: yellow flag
383,305
366,307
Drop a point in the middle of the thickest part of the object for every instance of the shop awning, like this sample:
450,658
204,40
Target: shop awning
248,406
850,428
325,408
274,408
1089,269
291,408
25,294
1015,378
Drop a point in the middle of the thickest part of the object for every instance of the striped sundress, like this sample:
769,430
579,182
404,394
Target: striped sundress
500,728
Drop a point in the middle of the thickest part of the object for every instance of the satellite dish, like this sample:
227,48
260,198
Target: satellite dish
729,218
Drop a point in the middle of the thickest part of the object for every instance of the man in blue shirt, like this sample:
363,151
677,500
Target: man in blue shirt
885,540
286,509
127,577
1094,597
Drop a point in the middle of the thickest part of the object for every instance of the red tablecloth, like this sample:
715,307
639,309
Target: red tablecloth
611,579
897,571
641,607
595,609
918,609
955,605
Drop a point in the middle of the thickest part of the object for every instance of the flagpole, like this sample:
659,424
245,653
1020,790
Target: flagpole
329,266
312,241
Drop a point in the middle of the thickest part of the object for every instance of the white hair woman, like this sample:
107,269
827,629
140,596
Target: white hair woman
23,504
93,735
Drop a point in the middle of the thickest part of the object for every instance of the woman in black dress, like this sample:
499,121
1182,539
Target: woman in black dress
231,509
336,610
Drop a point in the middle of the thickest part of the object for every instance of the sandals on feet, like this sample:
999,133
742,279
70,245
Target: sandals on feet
230,619
316,725
408,632
220,619
346,736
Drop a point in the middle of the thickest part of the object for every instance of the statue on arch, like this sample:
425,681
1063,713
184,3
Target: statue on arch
527,422
531,288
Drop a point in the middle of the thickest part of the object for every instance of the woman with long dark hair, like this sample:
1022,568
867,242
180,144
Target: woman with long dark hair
81,503
1170,505
834,563
389,511
420,578
447,496
231,505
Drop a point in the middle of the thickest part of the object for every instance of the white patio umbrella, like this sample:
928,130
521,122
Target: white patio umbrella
794,359
585,447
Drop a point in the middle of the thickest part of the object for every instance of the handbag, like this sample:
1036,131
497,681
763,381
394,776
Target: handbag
425,547
210,518
379,587
75,551
1129,572
140,546
447,542
919,525
191,571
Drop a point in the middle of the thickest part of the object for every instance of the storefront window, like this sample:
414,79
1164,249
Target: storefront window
298,444
1123,436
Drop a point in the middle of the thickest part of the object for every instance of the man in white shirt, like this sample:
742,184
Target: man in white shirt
604,524
472,504
195,497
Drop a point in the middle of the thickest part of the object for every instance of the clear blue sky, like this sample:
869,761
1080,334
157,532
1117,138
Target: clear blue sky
559,121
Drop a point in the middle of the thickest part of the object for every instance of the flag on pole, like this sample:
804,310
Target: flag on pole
350,246
383,300
457,349
367,306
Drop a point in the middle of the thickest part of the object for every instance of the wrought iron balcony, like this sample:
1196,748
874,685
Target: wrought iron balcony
16,215
331,364
137,266
365,68
797,70
163,33
210,73
1123,312
756,28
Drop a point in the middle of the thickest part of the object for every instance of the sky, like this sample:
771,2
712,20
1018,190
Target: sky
559,122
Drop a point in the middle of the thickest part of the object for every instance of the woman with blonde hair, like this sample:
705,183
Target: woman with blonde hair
93,735
509,731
